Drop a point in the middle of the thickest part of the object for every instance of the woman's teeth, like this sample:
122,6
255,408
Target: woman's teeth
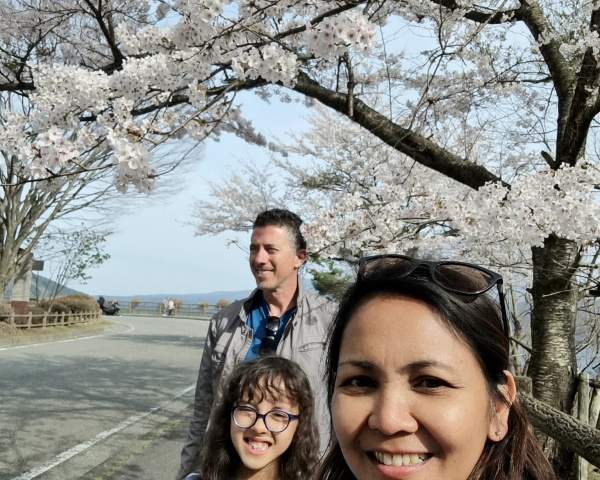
399,460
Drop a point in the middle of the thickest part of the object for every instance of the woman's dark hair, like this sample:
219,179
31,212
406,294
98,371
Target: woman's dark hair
253,381
476,321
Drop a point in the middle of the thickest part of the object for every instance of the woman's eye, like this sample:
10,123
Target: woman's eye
358,382
431,383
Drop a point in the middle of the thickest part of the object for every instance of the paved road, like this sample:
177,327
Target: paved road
114,405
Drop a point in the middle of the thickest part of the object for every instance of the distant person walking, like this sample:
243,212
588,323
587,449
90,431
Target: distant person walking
171,307
165,305
279,318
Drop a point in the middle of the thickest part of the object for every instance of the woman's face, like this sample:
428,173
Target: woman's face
410,400
258,448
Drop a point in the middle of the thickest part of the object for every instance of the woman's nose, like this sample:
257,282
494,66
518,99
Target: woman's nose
393,413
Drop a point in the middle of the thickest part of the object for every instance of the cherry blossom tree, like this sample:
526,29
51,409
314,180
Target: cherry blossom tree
359,196
31,206
500,98
53,168
68,255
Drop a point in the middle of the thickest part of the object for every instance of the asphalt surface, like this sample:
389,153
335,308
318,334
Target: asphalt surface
102,404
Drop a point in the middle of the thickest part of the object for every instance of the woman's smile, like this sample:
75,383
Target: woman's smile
410,400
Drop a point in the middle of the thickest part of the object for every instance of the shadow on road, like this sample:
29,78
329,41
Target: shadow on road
52,402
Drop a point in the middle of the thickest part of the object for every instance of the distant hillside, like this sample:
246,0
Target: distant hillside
211,298
41,287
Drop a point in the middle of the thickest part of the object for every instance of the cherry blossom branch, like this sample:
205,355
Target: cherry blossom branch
421,149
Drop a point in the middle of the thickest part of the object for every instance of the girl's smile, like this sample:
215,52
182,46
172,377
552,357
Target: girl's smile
256,446
260,449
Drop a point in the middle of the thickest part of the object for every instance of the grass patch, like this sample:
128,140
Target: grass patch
9,331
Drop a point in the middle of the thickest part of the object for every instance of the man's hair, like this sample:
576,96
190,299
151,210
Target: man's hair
279,217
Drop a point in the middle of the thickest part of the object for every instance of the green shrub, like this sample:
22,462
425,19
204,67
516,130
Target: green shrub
178,304
37,313
70,304
79,303
134,302
56,306
4,312
203,307
223,303
37,310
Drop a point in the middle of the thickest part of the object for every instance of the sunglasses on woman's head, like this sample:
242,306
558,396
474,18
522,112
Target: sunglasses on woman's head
454,277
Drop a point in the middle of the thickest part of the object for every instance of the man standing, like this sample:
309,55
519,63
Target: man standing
280,317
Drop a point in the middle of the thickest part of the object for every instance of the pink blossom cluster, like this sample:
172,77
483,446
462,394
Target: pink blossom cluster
269,62
338,34
210,41
131,160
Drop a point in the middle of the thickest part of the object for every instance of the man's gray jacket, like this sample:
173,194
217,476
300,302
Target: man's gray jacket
227,343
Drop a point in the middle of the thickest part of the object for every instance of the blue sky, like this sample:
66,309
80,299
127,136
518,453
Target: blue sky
153,251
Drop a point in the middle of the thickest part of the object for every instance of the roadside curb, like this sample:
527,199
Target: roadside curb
174,317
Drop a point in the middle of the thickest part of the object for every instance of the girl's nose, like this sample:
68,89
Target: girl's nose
260,426
392,413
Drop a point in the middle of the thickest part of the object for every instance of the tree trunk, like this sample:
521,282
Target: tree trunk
583,439
8,266
553,366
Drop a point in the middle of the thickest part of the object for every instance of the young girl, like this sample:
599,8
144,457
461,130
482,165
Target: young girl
264,426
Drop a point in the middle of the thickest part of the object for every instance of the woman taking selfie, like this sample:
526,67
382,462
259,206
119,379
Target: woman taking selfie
264,427
418,378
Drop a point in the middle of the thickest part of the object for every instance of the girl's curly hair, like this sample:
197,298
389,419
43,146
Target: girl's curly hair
254,381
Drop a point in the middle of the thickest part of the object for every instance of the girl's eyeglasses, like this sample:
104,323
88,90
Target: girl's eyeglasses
276,421
455,277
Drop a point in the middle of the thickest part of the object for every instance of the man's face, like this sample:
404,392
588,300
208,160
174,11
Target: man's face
273,259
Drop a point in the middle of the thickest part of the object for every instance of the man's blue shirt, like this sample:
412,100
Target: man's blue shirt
257,321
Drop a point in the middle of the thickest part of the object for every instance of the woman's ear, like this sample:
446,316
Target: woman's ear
501,409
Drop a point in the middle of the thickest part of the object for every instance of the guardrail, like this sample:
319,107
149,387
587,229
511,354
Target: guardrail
51,319
156,309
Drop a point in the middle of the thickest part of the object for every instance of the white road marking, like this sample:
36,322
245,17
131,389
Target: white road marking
131,328
64,456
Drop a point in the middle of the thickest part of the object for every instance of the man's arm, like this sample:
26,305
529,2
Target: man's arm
191,453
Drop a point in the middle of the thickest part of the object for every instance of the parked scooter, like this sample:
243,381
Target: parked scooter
113,309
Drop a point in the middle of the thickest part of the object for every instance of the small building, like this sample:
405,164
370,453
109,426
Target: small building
19,300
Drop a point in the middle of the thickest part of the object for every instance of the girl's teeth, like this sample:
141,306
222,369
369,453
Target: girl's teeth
258,446
399,460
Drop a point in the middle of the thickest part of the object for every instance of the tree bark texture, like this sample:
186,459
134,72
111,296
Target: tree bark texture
583,415
553,365
580,438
